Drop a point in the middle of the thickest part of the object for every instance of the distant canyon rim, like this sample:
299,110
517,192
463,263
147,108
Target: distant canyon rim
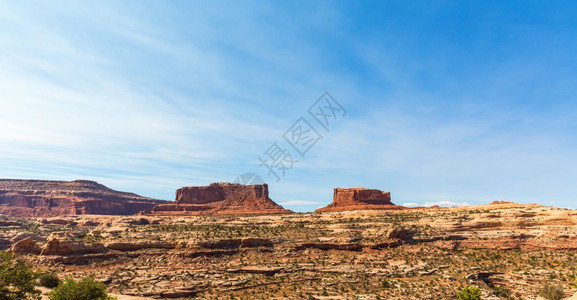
46,198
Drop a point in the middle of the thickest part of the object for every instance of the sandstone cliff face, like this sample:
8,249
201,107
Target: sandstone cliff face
361,196
359,199
42,198
221,198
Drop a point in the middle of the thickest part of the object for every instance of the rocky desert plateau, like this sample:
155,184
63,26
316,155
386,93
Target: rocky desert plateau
231,241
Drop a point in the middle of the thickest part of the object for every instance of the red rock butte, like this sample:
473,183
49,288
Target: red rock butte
359,199
220,198
45,198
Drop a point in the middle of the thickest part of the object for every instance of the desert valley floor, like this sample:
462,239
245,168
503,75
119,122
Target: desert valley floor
508,250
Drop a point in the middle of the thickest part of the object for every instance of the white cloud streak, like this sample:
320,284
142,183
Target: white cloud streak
299,203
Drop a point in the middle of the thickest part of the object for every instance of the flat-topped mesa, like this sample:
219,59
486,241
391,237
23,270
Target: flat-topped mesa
357,196
48,198
221,191
220,198
359,199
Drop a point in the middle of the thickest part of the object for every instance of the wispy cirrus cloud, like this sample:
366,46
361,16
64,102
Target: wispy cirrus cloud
75,109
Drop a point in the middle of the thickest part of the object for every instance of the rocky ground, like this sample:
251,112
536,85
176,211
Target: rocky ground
509,251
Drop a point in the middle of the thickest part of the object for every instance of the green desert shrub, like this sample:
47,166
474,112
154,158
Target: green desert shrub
84,289
469,293
552,292
49,280
16,279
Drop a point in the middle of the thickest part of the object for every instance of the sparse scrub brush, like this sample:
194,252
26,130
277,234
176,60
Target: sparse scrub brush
552,292
16,278
469,293
84,289
49,280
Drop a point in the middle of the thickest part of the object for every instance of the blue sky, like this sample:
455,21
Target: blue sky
447,102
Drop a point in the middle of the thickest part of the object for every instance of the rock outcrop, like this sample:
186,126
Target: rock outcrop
359,199
89,223
221,198
25,246
135,246
25,235
57,221
236,243
399,233
55,246
330,246
42,198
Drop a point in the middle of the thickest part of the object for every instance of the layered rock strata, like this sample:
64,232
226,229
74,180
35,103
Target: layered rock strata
359,199
221,198
43,198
